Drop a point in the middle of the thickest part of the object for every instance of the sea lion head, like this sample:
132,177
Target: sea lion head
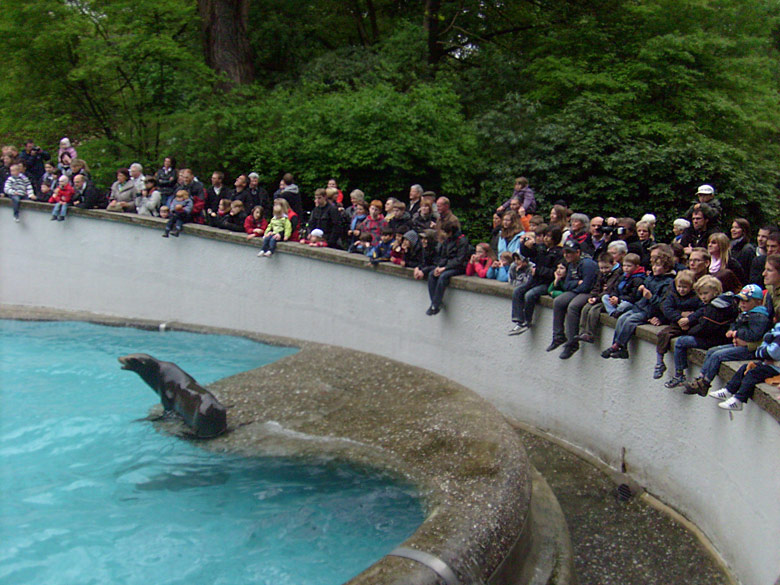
137,362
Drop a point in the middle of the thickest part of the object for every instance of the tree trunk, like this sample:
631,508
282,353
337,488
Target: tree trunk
431,23
225,42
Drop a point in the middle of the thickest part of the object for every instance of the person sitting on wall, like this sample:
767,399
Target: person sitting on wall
197,193
123,193
450,260
216,191
148,201
545,257
86,195
255,224
581,274
180,213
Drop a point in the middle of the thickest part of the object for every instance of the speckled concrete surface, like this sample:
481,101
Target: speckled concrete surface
323,401
614,542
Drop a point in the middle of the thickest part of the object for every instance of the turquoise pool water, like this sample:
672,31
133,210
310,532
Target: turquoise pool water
90,495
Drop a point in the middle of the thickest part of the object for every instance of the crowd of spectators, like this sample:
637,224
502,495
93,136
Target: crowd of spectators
709,286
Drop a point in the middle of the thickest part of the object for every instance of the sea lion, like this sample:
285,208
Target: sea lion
180,393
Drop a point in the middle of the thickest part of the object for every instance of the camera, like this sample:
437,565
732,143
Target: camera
609,229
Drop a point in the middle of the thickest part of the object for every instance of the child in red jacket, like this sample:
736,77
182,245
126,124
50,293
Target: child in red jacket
63,195
481,261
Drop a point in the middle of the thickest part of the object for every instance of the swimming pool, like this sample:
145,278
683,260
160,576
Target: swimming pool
91,495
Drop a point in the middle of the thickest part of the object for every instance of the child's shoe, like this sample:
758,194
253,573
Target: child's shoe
732,403
166,234
61,218
676,381
268,254
607,353
722,394
175,233
620,353
53,218
658,371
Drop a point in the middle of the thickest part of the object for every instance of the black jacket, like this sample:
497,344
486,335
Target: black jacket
91,198
328,220
453,253
710,323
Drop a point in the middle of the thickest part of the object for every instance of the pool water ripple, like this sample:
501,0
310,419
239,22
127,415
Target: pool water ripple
89,494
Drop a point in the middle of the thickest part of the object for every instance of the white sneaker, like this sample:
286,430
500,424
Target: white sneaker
260,254
16,219
721,394
518,329
732,403
268,254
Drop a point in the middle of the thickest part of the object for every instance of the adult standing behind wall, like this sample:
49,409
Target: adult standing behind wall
325,217
289,191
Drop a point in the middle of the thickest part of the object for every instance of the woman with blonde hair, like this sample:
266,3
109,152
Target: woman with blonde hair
719,248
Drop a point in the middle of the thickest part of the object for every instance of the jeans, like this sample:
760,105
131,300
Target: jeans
524,299
622,306
60,209
681,346
627,324
269,244
566,315
438,284
723,353
15,199
743,383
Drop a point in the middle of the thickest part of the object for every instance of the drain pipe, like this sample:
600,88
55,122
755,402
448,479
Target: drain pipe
434,563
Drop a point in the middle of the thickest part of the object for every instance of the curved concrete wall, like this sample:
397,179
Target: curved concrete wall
721,471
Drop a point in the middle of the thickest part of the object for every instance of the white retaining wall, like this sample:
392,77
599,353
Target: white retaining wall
722,472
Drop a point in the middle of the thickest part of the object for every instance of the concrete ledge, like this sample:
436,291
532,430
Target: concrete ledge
718,469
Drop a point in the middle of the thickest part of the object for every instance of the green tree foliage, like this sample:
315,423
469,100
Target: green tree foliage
616,106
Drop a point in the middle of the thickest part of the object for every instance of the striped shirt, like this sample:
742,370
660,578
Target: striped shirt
19,186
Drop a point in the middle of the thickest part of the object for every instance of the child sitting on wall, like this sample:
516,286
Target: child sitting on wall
556,286
521,271
740,388
706,327
745,336
255,224
381,252
180,213
680,302
480,261
316,239
279,228
500,268
606,284
627,293
62,196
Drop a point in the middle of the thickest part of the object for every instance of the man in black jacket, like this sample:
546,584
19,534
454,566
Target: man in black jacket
326,217
86,196
451,260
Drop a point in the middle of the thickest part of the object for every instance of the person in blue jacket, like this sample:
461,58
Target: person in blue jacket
745,335
740,388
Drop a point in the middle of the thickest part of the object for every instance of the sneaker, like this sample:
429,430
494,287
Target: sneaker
268,254
165,235
722,394
261,254
518,329
175,233
732,403
430,311
61,218
16,219
555,344
607,353
676,381
658,371
587,338
569,350
53,218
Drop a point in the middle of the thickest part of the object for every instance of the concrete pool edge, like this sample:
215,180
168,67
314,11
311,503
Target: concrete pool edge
458,450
